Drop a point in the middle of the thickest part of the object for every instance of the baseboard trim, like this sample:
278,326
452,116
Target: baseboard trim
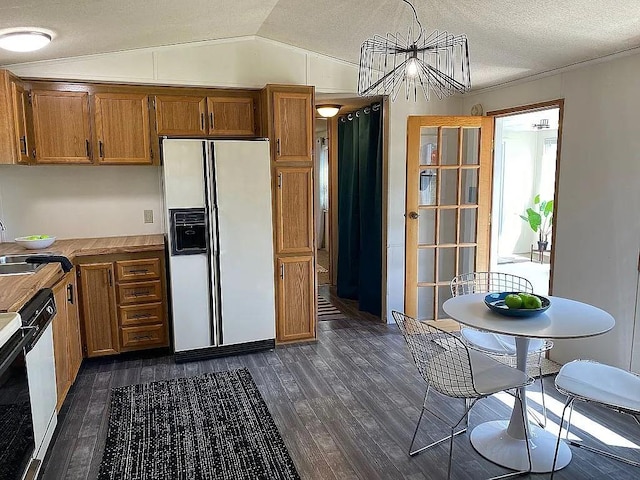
224,350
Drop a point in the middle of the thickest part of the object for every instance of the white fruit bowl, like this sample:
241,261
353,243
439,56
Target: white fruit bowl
35,244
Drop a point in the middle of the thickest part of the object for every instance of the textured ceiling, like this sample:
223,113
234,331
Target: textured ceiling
508,39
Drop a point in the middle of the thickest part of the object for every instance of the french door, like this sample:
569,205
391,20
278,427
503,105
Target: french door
447,207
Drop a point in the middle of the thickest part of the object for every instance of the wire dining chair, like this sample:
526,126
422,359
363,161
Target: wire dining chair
593,382
501,347
448,366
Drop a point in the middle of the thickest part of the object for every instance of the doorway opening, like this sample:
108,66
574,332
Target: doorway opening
323,241
350,206
525,168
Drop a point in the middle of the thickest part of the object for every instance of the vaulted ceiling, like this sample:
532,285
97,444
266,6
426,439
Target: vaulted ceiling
508,39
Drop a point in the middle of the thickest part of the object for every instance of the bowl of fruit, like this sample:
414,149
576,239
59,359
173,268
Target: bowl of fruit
517,304
35,242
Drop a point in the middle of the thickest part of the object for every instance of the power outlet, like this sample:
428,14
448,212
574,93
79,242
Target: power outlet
148,216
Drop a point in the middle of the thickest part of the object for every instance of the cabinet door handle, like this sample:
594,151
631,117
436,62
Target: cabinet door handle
101,148
278,147
280,180
282,271
23,145
141,270
211,124
110,278
202,121
141,315
143,293
70,293
88,148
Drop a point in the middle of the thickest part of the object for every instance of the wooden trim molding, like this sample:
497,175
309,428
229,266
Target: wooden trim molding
533,107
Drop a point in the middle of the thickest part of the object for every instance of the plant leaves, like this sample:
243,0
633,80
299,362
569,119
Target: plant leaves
548,208
534,219
536,199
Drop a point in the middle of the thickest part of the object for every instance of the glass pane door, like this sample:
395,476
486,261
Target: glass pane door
448,194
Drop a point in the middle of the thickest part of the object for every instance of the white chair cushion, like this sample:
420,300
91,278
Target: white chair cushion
497,343
600,383
491,376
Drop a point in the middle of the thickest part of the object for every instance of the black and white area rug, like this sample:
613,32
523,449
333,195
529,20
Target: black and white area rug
214,426
326,310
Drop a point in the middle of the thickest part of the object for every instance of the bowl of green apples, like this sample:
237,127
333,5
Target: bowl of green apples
517,304
35,242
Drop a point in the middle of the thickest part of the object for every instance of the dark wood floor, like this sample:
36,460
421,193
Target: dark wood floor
346,407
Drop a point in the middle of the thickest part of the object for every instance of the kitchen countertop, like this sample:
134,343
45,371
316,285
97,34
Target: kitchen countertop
16,290
10,323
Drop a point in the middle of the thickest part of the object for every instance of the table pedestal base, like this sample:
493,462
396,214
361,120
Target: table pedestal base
492,441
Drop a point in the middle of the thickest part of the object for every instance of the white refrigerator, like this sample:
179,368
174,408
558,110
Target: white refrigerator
217,196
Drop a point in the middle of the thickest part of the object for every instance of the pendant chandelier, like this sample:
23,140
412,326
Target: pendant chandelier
437,63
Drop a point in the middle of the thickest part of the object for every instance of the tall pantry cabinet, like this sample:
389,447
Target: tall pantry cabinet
288,114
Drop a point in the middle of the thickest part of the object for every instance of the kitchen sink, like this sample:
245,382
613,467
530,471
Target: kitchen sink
19,268
20,258
16,265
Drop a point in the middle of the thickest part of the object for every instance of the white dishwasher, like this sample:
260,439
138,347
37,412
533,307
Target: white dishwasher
37,314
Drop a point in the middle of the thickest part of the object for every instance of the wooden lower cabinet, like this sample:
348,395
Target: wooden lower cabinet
67,341
122,313
295,299
99,309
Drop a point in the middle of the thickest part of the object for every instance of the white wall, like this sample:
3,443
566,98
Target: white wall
249,62
79,201
106,201
598,196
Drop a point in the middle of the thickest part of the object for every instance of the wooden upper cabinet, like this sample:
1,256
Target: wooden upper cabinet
293,126
122,128
181,115
231,116
61,126
205,116
294,210
296,299
15,142
20,100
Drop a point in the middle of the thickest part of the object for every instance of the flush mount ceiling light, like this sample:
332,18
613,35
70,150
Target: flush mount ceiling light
24,40
328,110
438,62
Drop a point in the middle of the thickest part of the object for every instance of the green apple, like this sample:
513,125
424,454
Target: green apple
532,302
523,296
513,301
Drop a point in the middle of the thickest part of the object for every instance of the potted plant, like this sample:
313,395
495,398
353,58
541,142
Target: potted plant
540,219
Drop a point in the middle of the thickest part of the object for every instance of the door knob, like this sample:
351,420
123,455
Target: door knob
414,215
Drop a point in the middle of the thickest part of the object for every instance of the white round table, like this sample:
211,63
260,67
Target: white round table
500,441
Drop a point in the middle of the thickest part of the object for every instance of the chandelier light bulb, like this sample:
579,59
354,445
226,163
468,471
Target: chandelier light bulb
412,68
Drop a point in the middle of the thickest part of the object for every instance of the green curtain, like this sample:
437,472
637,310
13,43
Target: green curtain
360,209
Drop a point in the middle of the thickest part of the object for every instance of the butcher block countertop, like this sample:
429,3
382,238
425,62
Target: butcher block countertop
16,290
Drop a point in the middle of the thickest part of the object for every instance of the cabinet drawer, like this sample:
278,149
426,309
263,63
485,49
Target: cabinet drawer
143,336
139,292
133,315
136,270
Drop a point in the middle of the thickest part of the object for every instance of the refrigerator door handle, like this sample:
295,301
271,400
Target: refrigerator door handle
212,251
